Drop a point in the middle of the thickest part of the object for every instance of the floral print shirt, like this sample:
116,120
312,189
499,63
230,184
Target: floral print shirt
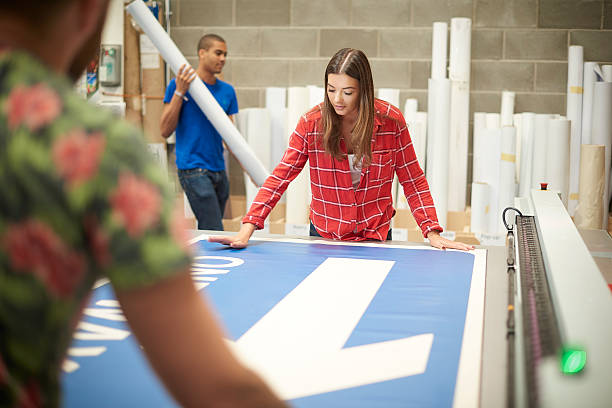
80,199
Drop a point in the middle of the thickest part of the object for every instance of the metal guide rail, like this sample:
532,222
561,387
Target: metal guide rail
540,327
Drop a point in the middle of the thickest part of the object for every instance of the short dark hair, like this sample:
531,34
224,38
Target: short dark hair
206,41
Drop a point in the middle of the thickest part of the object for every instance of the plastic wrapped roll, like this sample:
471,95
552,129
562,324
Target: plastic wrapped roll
507,108
587,101
493,120
540,144
574,114
558,156
276,103
590,209
478,153
491,172
458,145
507,185
390,95
481,195
527,134
201,95
602,132
438,50
437,144
460,46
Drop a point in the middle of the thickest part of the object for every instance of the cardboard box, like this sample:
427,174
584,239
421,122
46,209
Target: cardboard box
236,207
404,219
457,221
232,224
277,227
278,212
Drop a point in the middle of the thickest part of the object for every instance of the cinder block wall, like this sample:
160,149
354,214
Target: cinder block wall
517,45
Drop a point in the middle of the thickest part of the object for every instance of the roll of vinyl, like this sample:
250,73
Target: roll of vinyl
517,122
390,95
540,144
437,150
276,103
507,184
507,108
602,132
201,95
481,195
607,72
478,153
587,101
315,94
574,114
493,120
590,209
528,135
460,46
558,157
438,50
298,192
491,172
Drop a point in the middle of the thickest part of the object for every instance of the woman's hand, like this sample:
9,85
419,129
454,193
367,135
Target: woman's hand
437,241
239,240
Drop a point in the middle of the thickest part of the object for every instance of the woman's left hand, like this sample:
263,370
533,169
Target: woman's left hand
437,241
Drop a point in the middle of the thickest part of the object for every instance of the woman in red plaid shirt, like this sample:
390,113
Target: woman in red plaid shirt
355,144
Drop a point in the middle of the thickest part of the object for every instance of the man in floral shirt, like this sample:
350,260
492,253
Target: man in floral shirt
79,200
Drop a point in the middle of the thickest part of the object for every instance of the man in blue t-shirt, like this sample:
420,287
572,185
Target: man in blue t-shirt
199,147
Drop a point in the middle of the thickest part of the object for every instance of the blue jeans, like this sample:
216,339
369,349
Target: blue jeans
315,233
207,192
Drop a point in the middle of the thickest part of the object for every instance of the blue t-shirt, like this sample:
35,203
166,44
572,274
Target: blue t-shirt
198,144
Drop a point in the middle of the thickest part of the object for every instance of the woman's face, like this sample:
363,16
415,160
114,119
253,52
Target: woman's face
343,93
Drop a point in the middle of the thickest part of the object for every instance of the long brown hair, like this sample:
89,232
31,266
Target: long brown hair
355,64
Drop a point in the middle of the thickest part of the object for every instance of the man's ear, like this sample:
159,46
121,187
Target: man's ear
201,52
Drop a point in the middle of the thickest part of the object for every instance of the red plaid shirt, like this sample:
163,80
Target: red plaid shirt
337,210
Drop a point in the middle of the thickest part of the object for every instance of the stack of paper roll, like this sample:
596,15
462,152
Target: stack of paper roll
459,74
417,127
517,121
492,154
590,210
558,157
540,145
390,95
438,121
478,147
507,183
481,195
298,192
527,135
507,108
590,78
315,95
574,115
602,133
276,103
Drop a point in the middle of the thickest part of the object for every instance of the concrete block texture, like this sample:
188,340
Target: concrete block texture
489,102
551,77
570,14
419,95
540,103
241,42
331,13
405,43
419,75
389,13
505,13
289,42
487,44
597,44
426,12
498,76
308,72
536,45
186,39
248,97
206,13
262,12
390,73
333,40
257,72
607,17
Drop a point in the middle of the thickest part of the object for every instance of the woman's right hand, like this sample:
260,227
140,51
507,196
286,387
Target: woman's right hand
237,241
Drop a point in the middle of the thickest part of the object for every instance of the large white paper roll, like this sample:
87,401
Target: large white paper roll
276,103
493,120
607,73
558,156
517,122
507,185
527,134
201,95
540,144
478,146
574,114
410,107
438,50
460,46
481,195
458,145
390,95
587,101
602,132
590,209
315,95
438,108
491,173
507,108
298,192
